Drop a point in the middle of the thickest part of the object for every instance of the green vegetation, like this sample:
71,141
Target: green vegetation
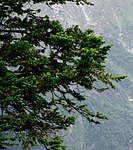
43,71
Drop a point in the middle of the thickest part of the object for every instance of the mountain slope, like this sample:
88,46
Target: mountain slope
113,20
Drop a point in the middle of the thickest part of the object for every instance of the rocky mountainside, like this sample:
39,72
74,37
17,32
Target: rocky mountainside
112,19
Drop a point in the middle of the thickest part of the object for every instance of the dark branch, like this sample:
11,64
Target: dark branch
15,31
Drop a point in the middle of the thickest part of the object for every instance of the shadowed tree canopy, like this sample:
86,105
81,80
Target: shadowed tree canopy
43,71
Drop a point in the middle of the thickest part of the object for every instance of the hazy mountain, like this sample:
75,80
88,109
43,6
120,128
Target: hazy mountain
112,19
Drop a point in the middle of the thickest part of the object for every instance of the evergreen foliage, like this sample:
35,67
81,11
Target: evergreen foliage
43,69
